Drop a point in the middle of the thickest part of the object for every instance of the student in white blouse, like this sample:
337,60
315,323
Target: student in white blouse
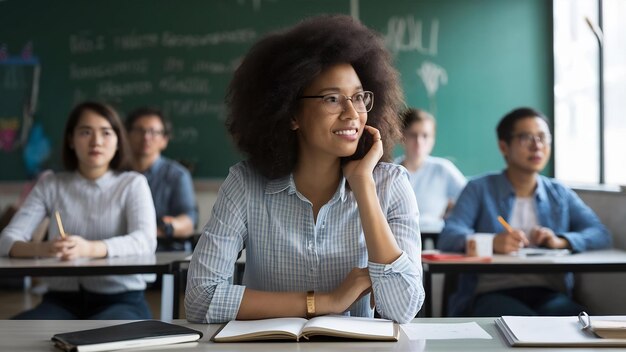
105,211
328,228
436,182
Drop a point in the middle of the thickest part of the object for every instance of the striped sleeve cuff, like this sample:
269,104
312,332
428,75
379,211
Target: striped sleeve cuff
225,303
397,289
400,265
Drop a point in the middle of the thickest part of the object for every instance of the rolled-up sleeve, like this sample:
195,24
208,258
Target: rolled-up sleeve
210,296
398,286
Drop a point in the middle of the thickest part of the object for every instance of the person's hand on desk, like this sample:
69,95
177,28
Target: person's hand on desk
356,284
507,242
545,237
72,247
77,247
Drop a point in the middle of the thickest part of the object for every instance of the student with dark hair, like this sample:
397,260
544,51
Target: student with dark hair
541,211
328,228
170,183
436,182
106,212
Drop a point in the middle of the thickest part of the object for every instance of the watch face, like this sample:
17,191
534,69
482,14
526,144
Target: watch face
310,304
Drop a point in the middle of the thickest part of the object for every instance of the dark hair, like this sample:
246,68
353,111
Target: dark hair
412,115
263,95
148,111
120,161
507,123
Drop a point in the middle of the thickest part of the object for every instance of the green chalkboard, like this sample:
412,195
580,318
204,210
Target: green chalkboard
480,59
177,55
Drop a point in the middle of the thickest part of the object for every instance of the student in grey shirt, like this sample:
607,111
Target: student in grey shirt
170,183
105,212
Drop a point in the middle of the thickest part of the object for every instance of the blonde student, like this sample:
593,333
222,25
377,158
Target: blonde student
328,227
436,182
103,210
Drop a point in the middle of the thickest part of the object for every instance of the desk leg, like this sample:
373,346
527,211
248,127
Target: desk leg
428,291
167,293
177,285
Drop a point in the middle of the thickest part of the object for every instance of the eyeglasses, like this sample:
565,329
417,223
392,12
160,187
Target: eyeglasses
334,103
150,132
526,139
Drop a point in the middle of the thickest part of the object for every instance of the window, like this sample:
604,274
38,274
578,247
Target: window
614,90
577,91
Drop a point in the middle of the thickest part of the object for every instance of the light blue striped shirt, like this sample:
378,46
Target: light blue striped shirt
286,250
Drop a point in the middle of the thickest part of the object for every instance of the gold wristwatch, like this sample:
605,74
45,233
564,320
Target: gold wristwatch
310,304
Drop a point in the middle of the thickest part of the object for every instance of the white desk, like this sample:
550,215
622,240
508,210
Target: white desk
160,263
611,260
34,335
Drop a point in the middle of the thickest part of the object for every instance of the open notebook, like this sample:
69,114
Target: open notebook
297,328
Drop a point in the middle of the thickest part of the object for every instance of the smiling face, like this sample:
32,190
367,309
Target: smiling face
324,134
529,149
95,142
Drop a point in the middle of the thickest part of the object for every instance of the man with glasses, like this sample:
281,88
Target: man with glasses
170,182
541,212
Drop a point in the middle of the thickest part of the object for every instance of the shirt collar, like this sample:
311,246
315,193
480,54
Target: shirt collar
280,184
506,190
287,183
102,182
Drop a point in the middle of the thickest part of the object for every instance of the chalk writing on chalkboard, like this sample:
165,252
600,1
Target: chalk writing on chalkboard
408,34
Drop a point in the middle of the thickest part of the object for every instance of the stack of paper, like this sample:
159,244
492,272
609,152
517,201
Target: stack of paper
553,331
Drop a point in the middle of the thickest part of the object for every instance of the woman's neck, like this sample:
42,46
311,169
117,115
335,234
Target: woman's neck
92,173
317,180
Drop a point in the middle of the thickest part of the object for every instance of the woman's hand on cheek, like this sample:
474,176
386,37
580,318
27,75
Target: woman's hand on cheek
356,171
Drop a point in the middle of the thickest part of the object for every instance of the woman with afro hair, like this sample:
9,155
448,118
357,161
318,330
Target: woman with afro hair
329,226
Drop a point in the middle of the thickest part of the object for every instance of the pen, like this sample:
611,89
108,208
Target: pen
60,224
505,224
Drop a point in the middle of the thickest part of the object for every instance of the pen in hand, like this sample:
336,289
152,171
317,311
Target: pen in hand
60,225
505,224
518,236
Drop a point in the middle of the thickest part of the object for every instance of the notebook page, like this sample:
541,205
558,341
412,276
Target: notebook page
352,325
245,327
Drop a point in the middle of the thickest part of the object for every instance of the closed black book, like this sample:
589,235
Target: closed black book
143,333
